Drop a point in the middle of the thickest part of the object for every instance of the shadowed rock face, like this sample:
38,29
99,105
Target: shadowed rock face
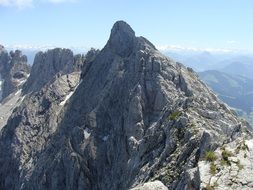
14,71
136,116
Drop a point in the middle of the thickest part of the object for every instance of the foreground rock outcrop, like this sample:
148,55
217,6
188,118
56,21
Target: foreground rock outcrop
155,185
231,168
135,117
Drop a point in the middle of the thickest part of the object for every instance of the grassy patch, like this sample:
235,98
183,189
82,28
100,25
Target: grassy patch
213,168
210,156
173,116
225,155
215,184
223,162
242,146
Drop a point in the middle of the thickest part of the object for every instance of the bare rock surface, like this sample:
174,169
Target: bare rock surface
48,64
135,118
232,169
8,105
154,185
14,71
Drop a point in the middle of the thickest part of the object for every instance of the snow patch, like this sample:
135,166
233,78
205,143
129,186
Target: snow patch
20,82
21,99
70,94
86,134
66,98
18,92
105,138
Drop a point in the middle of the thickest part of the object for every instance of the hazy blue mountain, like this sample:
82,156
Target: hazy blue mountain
239,63
235,90
199,60
243,67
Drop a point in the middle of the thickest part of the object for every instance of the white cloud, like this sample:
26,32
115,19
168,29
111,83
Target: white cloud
179,48
16,3
231,42
45,47
21,4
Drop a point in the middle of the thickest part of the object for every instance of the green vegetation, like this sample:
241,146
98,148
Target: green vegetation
213,169
225,155
193,125
223,162
237,150
242,146
215,184
223,147
210,156
174,115
245,146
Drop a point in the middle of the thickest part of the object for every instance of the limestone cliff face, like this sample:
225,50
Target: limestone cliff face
14,71
35,115
135,116
48,64
2,59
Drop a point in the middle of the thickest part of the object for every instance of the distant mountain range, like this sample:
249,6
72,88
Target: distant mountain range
243,67
239,63
235,90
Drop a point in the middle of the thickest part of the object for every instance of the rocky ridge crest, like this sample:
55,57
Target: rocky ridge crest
136,116
14,71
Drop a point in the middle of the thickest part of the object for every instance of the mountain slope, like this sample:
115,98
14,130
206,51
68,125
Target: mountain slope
236,91
136,116
242,66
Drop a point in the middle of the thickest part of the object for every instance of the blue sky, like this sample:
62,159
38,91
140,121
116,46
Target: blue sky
87,23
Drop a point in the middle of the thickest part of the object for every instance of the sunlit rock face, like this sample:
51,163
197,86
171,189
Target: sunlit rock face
14,71
120,118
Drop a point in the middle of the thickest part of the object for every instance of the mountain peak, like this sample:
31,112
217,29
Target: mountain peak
122,27
122,38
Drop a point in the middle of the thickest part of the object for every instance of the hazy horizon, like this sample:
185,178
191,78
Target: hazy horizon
178,25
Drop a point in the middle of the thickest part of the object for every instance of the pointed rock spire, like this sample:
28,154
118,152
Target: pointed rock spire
122,38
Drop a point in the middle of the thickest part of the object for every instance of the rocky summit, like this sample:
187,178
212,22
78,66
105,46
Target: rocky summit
125,117
14,71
